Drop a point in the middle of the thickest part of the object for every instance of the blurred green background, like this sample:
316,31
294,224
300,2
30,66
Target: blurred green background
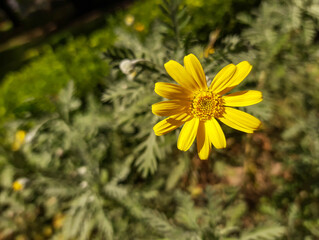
78,156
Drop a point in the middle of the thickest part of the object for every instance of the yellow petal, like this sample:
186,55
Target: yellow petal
169,124
217,136
172,91
171,107
194,68
188,134
180,75
243,69
182,117
222,78
240,120
243,98
204,145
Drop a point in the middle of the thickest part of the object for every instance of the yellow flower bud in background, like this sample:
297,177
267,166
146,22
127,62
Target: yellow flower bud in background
129,20
58,220
196,191
139,27
208,51
18,140
210,46
17,186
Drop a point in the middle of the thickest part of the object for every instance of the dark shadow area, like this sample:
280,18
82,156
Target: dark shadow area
33,24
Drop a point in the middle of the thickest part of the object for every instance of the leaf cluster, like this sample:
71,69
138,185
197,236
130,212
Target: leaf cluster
97,171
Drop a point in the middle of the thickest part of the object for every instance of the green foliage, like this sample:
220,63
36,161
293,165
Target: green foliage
83,64
175,19
270,233
215,14
34,88
87,170
22,89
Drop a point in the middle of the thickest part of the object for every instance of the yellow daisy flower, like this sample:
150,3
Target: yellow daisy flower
197,106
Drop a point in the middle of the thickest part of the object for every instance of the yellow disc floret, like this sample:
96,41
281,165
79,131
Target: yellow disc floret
207,105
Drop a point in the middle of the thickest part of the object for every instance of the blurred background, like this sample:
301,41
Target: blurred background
78,156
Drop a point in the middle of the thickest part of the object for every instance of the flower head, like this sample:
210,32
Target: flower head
197,106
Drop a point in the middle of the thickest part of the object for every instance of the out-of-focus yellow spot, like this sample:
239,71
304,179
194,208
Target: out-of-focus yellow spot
20,237
47,231
196,191
58,220
132,75
17,186
139,27
129,20
18,140
208,51
210,46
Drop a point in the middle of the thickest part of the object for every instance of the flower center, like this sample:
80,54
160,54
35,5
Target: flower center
207,105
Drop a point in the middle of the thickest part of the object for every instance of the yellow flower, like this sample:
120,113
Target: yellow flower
196,191
208,51
210,46
197,106
139,27
129,20
18,140
58,220
17,186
